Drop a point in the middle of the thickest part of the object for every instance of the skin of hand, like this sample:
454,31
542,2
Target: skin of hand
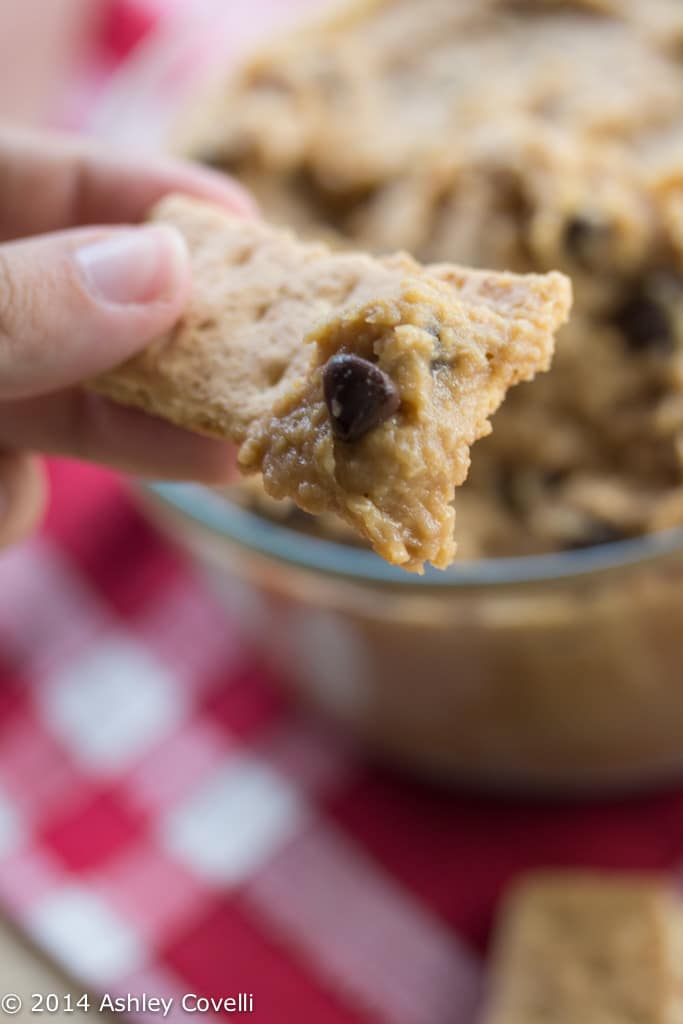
83,286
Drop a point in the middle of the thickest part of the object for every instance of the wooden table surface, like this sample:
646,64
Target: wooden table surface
23,971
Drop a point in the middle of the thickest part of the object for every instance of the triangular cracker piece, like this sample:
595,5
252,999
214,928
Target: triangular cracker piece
581,948
354,384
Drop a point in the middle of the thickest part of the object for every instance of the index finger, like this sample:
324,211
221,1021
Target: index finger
53,182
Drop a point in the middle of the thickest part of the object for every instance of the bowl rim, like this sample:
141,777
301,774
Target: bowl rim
256,533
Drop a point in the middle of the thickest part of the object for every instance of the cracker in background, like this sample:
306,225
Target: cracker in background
582,948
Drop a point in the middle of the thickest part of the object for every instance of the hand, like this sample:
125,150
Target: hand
76,300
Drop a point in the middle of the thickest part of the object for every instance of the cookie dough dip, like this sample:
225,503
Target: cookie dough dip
524,138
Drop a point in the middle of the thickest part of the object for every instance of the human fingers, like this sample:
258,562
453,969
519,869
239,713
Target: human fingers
76,303
87,426
54,182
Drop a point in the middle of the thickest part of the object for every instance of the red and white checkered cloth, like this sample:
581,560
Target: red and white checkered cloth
169,824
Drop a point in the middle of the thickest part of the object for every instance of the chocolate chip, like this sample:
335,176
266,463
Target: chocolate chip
645,324
359,396
595,534
554,478
584,238
211,158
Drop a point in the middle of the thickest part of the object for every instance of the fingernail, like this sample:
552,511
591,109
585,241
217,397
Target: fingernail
137,265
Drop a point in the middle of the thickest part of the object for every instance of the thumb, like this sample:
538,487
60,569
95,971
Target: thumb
76,303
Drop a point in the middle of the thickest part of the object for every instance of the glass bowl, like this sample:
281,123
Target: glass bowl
548,673
555,673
